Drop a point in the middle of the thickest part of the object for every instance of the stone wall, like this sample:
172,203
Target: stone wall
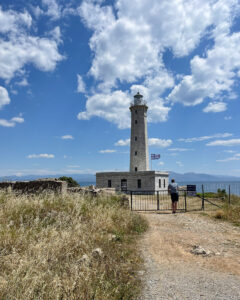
35,186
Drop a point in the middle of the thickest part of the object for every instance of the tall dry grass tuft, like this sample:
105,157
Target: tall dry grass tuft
230,212
68,247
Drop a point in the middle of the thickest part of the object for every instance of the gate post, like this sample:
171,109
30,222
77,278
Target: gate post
202,197
229,195
185,200
131,200
157,200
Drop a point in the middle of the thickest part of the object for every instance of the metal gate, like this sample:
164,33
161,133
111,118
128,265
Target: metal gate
155,201
161,201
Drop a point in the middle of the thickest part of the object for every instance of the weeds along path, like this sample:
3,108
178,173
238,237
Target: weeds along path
172,271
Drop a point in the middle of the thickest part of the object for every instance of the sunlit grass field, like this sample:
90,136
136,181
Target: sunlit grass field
68,247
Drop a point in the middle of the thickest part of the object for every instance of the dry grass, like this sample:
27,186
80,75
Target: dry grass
47,243
230,212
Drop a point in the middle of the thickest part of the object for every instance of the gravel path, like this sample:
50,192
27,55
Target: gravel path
172,271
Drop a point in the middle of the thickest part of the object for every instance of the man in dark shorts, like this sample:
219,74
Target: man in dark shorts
173,191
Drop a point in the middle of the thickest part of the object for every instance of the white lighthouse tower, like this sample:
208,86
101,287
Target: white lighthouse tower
139,160
139,178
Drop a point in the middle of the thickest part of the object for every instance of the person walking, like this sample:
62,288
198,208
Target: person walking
173,191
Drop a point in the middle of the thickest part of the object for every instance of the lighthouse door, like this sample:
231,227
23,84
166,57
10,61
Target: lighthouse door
124,185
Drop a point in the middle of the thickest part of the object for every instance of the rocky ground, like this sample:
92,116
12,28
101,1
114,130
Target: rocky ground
190,256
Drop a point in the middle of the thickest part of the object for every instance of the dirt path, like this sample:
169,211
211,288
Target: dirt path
173,272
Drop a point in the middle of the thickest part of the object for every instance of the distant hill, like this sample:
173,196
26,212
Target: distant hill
194,177
191,177
77,177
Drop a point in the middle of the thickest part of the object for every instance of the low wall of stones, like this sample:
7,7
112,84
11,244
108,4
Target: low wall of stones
104,192
35,186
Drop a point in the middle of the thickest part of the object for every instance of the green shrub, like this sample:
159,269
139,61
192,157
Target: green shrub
71,182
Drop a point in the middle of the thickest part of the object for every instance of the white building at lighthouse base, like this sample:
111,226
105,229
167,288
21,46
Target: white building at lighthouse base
133,181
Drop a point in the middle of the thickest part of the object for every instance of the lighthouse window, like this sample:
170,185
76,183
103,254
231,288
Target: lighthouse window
135,169
135,138
164,183
135,152
160,183
135,121
139,183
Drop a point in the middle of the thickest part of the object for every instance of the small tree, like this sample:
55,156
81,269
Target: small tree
71,182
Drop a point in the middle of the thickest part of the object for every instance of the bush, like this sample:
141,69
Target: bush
221,193
71,182
219,214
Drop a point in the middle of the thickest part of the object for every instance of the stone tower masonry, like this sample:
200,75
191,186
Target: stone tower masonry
139,139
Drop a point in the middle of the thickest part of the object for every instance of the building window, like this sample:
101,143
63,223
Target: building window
135,169
135,121
139,183
160,183
135,138
135,111
164,183
135,152
109,183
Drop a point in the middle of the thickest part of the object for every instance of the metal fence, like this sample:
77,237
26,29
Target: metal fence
204,199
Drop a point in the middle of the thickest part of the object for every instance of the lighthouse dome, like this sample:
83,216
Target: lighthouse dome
138,99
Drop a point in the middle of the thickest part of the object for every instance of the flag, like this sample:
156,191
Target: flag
155,156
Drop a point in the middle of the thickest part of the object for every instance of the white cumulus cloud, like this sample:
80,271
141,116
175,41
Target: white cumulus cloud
107,151
53,9
67,137
204,138
113,107
12,122
215,107
17,120
11,20
81,85
232,142
23,82
180,149
213,75
4,97
159,142
18,47
44,155
128,43
232,158
122,143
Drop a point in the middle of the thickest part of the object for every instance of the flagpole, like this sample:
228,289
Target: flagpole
151,164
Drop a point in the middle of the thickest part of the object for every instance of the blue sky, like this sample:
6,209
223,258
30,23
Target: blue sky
69,70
